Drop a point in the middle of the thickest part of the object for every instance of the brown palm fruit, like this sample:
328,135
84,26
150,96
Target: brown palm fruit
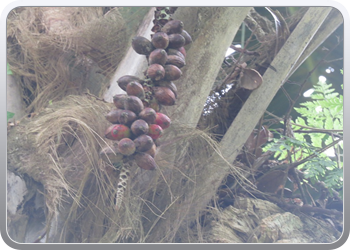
175,52
126,117
155,131
156,72
145,161
176,41
152,151
188,38
119,100
117,132
172,73
168,84
143,143
134,104
173,26
162,120
148,114
126,146
139,127
124,80
142,45
160,40
111,154
178,61
158,56
135,89
164,96
113,116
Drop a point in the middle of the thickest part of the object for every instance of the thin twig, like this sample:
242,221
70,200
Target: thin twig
296,177
286,94
295,164
302,126
158,218
319,131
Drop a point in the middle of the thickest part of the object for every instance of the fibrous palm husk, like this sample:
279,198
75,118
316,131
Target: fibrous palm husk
57,51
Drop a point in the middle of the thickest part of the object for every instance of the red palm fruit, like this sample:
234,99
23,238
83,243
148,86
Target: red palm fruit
142,45
113,116
172,73
155,72
152,151
164,96
124,80
187,37
162,120
145,161
143,143
173,26
119,100
182,51
176,41
168,84
126,117
139,127
160,40
178,61
135,89
155,131
148,114
176,52
117,132
134,104
126,146
158,56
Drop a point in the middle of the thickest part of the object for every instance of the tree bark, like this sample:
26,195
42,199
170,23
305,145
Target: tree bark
215,29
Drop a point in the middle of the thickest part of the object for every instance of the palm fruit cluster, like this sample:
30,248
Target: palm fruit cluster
136,120
135,127
166,56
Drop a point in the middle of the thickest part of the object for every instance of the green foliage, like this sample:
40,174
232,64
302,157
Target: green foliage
9,71
283,144
10,115
324,111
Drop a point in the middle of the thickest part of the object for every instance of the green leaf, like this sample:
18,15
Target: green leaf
10,115
9,71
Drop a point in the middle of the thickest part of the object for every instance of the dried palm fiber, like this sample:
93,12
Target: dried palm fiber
57,51
170,194
64,142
